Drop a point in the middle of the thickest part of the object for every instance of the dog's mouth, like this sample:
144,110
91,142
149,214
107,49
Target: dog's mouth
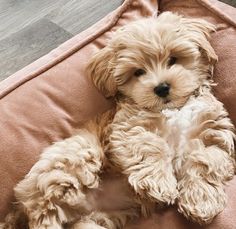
166,101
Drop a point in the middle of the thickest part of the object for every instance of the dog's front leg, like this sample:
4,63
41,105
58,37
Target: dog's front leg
57,183
146,160
206,165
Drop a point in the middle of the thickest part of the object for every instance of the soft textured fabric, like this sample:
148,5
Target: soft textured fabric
46,101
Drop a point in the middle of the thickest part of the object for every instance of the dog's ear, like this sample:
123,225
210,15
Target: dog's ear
197,29
200,34
100,70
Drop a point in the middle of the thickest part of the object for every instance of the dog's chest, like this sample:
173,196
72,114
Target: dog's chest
179,122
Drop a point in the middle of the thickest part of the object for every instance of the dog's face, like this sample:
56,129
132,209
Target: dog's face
158,63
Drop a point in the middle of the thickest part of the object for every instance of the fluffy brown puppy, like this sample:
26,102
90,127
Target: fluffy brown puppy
168,140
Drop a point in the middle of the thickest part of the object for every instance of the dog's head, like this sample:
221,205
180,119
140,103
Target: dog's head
158,63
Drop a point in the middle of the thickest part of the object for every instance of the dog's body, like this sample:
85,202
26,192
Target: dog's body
168,140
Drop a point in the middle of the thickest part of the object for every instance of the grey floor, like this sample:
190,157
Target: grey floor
31,28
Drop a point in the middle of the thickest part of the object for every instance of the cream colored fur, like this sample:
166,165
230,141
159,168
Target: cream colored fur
155,150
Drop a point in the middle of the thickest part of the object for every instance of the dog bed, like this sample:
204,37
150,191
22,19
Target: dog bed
47,100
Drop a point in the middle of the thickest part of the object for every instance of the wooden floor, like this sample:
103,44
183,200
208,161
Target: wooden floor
31,28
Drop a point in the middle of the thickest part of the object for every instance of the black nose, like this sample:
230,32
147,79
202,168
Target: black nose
162,90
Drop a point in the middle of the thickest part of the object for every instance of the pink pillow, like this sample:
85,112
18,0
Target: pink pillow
46,101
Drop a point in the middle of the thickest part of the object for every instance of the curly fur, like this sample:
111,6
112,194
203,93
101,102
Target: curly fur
156,150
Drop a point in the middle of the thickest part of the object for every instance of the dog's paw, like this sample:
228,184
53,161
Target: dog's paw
200,201
64,190
164,191
160,188
68,192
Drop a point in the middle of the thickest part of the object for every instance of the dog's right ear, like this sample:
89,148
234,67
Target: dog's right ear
100,70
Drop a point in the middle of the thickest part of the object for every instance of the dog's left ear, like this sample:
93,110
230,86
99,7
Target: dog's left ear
100,71
200,34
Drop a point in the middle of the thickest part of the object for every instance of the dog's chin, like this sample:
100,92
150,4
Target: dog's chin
167,103
152,102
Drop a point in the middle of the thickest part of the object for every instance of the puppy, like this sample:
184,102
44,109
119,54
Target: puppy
168,140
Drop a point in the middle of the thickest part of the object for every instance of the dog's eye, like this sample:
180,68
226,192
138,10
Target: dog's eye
139,72
172,60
